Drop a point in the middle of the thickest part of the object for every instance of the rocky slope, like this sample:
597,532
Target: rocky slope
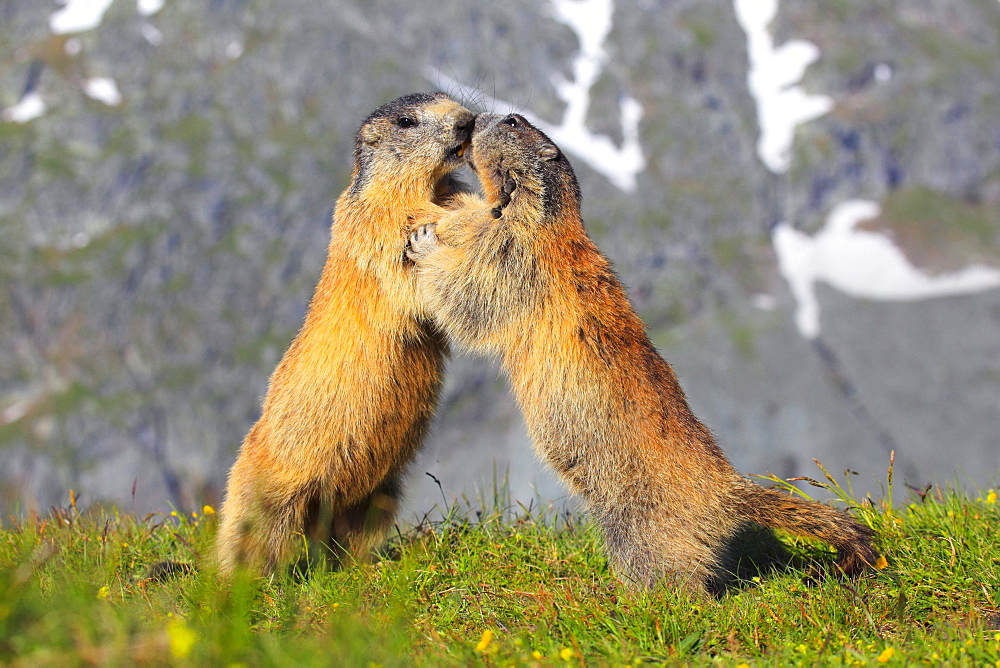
168,172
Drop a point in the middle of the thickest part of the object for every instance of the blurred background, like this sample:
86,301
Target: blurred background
803,199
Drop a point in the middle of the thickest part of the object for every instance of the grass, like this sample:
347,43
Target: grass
495,589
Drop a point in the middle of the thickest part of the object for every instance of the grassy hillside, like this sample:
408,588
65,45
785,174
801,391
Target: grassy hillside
498,589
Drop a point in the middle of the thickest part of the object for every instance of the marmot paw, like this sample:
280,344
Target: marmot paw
422,241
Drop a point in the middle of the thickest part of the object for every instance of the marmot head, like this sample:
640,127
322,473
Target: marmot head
521,168
415,140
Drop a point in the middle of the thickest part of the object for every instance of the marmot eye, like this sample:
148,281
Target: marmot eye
511,121
406,121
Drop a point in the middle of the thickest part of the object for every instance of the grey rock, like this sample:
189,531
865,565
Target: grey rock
158,256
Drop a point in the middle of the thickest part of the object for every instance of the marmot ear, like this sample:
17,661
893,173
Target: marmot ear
370,134
548,152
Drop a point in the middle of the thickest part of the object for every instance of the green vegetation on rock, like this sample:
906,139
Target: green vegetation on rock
939,232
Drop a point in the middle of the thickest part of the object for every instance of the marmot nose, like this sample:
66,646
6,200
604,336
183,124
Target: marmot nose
464,124
485,121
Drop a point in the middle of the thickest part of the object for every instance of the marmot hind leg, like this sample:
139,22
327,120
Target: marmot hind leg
353,533
649,555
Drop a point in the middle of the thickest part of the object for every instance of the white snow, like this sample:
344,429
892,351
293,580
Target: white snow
774,71
103,90
861,264
621,165
29,108
591,21
78,16
234,50
148,7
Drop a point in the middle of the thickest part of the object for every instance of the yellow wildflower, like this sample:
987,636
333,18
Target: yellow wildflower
207,510
104,591
484,642
881,562
886,655
536,654
181,638
566,653
992,496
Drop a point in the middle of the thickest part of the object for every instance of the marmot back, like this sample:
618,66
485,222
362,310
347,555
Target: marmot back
349,403
516,274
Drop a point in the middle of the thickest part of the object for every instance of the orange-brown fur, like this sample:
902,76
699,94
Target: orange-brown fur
515,274
349,403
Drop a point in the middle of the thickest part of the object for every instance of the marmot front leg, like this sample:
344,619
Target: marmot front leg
423,240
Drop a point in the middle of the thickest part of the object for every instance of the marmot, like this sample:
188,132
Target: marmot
517,275
349,403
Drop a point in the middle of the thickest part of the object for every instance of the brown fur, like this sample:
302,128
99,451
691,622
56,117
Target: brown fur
516,275
348,405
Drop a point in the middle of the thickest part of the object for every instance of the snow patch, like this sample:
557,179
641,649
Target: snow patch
148,7
234,50
28,109
591,21
774,71
78,16
858,263
103,90
621,165
861,264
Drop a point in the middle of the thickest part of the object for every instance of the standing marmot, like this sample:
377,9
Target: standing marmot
517,275
347,407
